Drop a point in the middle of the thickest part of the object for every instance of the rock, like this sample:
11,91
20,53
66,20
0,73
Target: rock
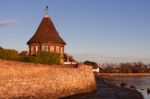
133,87
142,89
148,90
123,84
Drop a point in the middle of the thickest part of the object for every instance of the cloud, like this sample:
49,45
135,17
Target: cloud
6,22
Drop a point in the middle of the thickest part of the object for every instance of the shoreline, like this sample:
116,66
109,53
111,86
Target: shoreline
106,90
123,74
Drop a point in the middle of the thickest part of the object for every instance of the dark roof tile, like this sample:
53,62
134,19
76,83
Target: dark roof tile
46,32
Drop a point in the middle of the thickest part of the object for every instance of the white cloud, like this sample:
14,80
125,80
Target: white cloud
6,22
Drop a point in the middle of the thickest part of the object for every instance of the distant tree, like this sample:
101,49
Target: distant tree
69,58
139,67
101,70
111,68
136,67
126,68
108,69
91,63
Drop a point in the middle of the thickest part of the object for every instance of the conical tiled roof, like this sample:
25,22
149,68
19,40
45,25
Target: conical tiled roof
46,32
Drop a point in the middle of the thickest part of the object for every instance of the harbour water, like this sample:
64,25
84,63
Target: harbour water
140,82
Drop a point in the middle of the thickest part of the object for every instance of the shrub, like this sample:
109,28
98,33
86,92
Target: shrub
93,64
41,57
47,58
8,54
27,59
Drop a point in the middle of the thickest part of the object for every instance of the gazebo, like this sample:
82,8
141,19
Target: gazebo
46,38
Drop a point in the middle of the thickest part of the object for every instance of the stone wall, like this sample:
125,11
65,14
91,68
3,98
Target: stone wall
24,80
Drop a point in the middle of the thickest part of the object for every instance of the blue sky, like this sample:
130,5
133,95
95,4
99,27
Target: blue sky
119,28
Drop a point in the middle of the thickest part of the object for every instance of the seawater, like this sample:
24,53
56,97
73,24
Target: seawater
140,82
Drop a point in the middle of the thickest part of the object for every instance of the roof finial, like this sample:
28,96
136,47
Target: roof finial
46,11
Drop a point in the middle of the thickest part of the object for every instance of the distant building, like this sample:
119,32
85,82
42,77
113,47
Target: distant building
23,53
46,38
96,70
69,60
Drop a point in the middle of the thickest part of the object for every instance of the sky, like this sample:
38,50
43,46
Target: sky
114,28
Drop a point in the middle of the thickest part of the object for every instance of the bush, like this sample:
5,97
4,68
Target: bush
9,54
41,57
27,59
47,58
93,64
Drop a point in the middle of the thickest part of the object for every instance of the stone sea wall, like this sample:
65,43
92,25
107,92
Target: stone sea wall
27,80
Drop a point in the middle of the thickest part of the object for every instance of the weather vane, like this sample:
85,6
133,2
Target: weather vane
46,11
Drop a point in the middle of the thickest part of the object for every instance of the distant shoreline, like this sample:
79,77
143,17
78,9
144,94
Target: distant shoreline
123,74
